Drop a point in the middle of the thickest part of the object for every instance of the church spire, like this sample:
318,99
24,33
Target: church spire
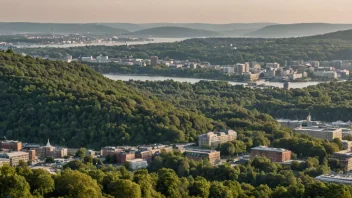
309,118
48,144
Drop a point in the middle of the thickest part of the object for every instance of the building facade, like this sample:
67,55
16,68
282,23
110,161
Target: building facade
274,154
321,132
203,154
345,159
214,139
10,145
138,164
15,157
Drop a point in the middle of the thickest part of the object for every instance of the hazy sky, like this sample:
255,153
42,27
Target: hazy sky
148,11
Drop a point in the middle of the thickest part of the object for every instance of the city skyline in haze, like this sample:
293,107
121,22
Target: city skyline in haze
176,11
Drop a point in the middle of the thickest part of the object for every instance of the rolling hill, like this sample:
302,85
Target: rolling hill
345,35
231,29
298,30
20,28
175,32
75,106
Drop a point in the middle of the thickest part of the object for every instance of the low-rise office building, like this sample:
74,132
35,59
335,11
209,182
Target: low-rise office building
138,164
203,154
274,154
325,133
15,157
122,156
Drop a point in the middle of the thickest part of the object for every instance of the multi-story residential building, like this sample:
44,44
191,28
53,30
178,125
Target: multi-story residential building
145,155
122,156
138,164
325,133
274,154
214,139
15,157
154,60
295,76
326,74
203,154
246,67
229,70
250,77
345,159
272,65
109,150
240,68
10,145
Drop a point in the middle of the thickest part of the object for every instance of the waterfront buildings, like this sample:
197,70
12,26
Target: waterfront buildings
203,154
154,60
214,139
274,154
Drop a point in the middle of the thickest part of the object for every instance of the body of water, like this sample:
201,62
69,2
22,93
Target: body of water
155,40
195,80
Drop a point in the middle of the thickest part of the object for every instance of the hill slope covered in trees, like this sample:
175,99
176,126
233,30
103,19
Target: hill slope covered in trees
297,30
345,35
73,105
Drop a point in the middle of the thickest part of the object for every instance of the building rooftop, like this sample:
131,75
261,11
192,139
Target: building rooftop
318,129
265,148
346,179
346,153
136,160
205,151
14,154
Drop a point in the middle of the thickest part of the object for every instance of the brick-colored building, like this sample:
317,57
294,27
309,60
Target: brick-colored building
109,150
145,155
32,155
15,157
10,145
122,157
51,151
274,154
203,154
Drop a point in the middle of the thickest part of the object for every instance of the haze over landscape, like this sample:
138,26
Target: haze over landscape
185,11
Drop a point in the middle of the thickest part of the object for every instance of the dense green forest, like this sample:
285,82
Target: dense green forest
160,70
218,50
326,102
172,175
75,106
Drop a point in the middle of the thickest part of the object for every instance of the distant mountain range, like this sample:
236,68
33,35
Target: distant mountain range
298,30
175,32
180,30
21,28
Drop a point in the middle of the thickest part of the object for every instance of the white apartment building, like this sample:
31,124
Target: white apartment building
214,139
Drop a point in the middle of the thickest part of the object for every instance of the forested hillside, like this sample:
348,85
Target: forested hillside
326,102
73,105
